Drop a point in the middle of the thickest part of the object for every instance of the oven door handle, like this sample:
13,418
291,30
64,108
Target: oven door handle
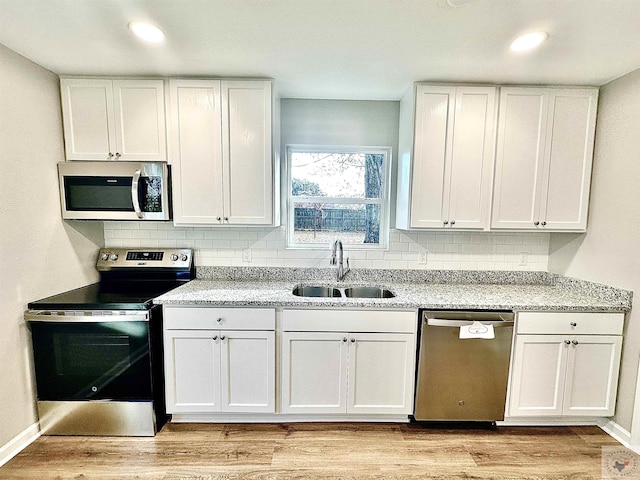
40,316
134,193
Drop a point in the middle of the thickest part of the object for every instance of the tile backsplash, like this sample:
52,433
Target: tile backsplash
233,246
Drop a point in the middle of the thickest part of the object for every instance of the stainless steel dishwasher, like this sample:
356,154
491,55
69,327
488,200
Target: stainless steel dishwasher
462,378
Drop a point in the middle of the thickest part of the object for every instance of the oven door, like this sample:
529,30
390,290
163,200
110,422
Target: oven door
93,359
114,191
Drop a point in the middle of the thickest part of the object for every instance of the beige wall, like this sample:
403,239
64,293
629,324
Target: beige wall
40,255
609,252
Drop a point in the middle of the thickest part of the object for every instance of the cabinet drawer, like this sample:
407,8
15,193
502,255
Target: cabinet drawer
330,320
207,318
570,323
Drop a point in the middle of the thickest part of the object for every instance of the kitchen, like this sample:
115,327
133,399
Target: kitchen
39,247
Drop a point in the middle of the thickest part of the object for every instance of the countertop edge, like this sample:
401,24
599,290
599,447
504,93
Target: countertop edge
409,296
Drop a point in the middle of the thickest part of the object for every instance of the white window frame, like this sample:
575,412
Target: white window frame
384,201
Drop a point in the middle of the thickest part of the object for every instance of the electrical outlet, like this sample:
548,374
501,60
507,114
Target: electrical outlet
246,255
423,258
524,256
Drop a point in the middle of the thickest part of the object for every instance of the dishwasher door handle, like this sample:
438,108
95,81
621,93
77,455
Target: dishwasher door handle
441,322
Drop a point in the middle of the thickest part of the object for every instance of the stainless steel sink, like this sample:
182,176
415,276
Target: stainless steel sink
368,292
349,292
315,291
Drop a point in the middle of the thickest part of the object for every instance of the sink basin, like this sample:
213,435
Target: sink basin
315,291
368,292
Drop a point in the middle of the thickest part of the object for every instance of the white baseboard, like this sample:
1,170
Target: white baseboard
19,442
620,434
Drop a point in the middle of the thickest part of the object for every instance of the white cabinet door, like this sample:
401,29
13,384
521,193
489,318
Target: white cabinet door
538,375
453,156
381,373
248,371
543,158
221,152
196,151
569,154
519,157
88,119
432,147
107,119
246,152
571,375
140,120
219,371
192,371
472,158
314,372
592,375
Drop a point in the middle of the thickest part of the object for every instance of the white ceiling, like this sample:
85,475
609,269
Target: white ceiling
341,49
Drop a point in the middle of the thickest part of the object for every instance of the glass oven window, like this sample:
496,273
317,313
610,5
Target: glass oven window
82,354
103,360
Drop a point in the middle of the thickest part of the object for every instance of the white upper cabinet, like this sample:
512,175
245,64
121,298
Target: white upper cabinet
447,144
221,151
195,150
543,158
107,119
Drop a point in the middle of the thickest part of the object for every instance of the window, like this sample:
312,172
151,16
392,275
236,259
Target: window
337,193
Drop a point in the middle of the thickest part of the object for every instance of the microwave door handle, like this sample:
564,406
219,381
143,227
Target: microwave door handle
134,193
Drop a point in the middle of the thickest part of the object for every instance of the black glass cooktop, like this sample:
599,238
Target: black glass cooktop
98,296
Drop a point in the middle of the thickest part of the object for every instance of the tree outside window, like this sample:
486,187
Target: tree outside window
338,193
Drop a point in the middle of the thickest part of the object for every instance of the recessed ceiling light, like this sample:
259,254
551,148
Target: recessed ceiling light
147,32
528,41
458,3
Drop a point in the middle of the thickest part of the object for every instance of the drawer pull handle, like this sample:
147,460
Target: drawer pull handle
344,339
573,324
222,337
568,342
575,342
215,337
353,340
219,320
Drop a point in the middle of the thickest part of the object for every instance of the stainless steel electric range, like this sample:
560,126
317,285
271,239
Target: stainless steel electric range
98,349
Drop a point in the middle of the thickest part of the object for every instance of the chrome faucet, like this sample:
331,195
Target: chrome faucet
337,248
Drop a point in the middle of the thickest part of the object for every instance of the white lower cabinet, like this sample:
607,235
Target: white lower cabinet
572,370
210,367
348,372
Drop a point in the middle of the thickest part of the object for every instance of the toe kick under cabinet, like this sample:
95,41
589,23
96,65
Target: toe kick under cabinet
565,364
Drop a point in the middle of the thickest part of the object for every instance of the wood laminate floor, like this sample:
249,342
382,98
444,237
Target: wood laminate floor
318,451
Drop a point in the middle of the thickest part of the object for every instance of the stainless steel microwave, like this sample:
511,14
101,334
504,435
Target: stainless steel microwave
114,190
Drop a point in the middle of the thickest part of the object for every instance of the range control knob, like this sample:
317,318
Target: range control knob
184,257
174,257
114,257
104,257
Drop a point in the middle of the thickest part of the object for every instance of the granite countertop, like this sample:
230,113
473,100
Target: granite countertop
544,293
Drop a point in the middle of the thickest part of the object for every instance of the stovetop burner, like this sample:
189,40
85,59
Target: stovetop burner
129,280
